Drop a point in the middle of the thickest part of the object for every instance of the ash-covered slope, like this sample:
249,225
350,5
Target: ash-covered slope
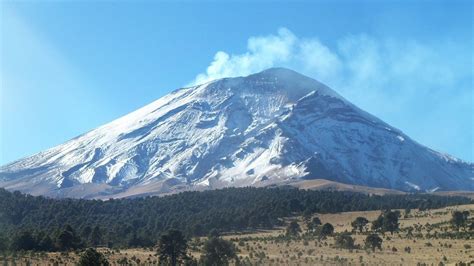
272,126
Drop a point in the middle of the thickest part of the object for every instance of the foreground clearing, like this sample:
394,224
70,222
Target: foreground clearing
263,247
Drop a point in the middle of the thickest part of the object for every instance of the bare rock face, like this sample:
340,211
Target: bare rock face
270,127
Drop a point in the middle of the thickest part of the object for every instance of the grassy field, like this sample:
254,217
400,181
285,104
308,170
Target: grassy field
266,248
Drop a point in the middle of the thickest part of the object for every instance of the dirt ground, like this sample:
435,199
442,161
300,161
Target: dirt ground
262,247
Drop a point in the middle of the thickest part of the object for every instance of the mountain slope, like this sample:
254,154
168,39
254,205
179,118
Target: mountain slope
264,128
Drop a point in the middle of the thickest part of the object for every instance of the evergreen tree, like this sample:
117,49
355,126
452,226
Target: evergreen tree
466,215
307,216
326,230
390,221
213,233
387,222
373,241
172,248
359,223
223,210
313,224
92,257
24,240
293,229
316,221
218,251
46,243
96,236
407,212
344,241
459,219
86,232
4,243
68,239
378,223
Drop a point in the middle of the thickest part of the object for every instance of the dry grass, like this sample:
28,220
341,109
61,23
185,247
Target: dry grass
313,252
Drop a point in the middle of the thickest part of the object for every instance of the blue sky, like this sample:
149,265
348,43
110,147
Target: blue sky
70,66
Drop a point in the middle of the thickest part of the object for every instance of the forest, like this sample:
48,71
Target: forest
46,224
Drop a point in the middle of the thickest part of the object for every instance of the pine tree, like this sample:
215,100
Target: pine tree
373,241
96,236
359,223
172,248
24,240
68,239
92,257
326,230
218,251
293,229
344,241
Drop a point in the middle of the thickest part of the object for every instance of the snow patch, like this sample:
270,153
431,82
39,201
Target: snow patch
416,187
273,125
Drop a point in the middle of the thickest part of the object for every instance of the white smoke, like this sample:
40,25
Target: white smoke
397,80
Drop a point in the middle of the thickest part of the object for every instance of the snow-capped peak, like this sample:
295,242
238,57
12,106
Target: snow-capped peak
270,126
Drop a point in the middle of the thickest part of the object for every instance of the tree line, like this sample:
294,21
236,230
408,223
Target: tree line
38,223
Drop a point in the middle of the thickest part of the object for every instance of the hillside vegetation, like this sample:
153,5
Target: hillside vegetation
63,224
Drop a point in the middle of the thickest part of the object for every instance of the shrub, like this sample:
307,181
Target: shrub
92,257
